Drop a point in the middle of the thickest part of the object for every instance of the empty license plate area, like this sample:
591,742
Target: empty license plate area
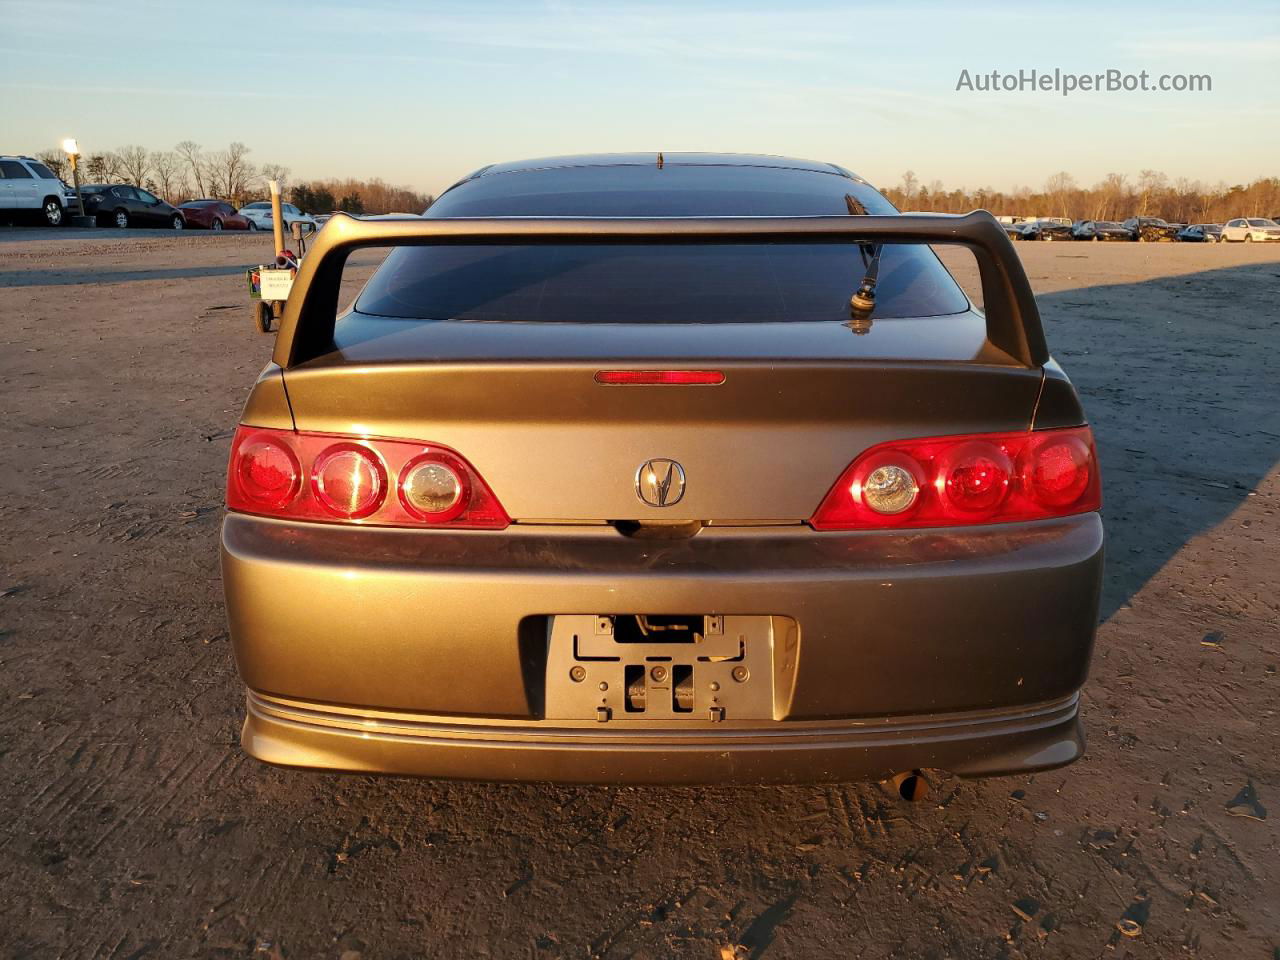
618,668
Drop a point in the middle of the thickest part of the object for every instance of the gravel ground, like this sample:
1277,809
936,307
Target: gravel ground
136,828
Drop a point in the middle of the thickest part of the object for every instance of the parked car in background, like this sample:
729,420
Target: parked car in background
1201,233
122,205
1149,229
399,602
213,215
29,188
1249,229
1099,230
259,214
1047,229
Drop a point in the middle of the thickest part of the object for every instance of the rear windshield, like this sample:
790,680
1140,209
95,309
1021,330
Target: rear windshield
1262,223
733,283
662,283
197,204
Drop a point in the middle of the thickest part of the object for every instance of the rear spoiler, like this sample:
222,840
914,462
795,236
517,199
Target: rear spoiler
1013,322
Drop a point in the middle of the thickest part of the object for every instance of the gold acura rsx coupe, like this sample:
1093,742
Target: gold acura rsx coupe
683,469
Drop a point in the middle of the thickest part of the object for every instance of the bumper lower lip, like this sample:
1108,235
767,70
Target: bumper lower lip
972,743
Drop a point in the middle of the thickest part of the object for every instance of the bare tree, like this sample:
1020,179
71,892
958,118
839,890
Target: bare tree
231,173
56,161
1059,188
278,173
1109,195
909,185
104,168
135,163
167,167
1149,183
189,152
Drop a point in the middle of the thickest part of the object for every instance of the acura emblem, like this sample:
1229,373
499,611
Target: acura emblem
660,483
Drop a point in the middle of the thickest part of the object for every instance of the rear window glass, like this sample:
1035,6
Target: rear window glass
258,206
661,283
732,283
197,204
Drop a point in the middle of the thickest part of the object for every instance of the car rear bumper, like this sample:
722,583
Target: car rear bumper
974,743
425,652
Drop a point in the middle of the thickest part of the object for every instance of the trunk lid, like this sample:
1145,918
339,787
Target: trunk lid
799,401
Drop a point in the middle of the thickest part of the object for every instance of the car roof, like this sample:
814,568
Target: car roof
658,184
661,159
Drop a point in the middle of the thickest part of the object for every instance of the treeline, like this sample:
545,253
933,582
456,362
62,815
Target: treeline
186,172
189,171
358,196
1115,197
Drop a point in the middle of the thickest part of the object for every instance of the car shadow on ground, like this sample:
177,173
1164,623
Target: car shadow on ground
1179,382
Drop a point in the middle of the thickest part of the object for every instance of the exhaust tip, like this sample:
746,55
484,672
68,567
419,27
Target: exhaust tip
911,785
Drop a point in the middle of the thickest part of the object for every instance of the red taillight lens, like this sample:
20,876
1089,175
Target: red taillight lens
267,472
975,477
658,377
1056,470
970,479
348,480
351,481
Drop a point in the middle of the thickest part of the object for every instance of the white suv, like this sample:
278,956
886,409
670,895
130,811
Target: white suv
27,185
1250,228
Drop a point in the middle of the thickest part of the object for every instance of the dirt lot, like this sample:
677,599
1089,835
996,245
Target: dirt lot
136,828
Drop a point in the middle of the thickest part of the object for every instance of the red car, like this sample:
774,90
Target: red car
213,215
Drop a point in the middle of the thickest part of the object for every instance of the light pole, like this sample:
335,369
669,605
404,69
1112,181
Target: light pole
72,150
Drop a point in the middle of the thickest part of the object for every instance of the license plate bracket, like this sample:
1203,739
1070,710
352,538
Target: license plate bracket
621,668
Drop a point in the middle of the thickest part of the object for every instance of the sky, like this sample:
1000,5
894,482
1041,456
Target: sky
422,94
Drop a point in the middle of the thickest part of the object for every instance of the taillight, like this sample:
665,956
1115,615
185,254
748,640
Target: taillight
316,476
348,480
434,487
267,472
970,479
